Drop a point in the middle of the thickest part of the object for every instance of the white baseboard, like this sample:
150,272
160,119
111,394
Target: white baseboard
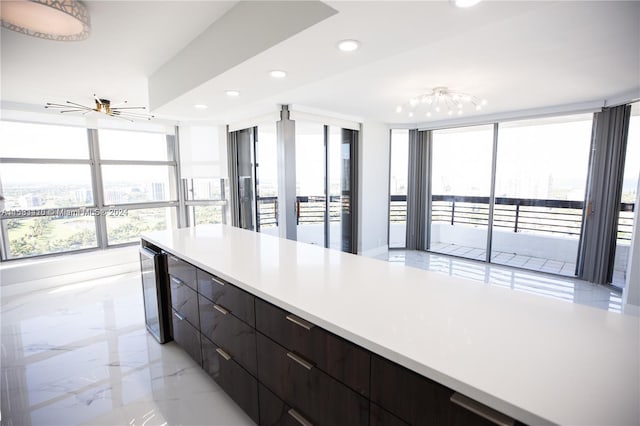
72,266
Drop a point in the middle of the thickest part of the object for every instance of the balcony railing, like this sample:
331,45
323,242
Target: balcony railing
516,214
310,209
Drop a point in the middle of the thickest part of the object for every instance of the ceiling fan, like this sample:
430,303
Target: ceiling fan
103,106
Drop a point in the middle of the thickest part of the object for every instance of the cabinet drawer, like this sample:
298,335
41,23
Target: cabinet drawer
186,336
235,300
183,271
274,412
411,397
467,412
184,300
340,359
321,399
241,386
235,336
381,417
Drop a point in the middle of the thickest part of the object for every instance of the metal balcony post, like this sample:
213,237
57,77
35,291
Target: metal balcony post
453,210
515,229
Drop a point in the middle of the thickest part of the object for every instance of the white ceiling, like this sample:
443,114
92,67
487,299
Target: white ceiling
518,55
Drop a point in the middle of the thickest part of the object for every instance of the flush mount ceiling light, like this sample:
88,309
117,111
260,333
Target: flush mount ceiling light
348,45
441,100
464,3
232,93
61,20
102,106
278,74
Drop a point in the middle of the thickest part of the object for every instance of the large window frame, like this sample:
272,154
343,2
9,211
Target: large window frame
95,164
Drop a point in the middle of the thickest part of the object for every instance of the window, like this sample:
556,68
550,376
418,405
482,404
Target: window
206,200
399,172
45,180
138,172
52,200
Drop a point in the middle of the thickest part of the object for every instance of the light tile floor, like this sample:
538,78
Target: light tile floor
79,354
555,286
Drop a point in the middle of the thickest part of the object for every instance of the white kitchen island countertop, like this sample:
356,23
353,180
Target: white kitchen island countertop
539,360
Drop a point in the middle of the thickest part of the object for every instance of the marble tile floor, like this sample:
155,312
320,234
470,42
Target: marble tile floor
555,286
79,354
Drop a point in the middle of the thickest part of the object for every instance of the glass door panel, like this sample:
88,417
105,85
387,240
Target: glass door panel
246,183
399,173
310,182
541,174
267,179
461,181
628,199
340,191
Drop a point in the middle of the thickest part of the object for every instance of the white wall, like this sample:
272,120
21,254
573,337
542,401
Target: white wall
373,182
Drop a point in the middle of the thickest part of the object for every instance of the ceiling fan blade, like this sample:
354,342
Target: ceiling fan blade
76,110
78,105
118,116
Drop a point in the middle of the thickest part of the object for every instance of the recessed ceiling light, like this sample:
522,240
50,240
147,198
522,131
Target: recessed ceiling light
232,93
348,45
278,74
200,106
464,3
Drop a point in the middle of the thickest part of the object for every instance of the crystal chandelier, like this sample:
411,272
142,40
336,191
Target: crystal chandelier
441,100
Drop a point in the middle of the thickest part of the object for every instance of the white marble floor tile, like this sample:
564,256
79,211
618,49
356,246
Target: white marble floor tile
80,354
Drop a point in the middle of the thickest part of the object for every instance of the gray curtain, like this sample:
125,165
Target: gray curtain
232,162
417,190
609,144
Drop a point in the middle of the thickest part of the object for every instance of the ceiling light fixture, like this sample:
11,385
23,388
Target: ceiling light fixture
464,3
441,99
61,20
278,74
348,45
232,93
102,106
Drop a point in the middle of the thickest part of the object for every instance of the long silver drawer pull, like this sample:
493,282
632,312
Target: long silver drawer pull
220,309
177,280
299,321
298,417
303,362
223,354
216,281
490,414
180,317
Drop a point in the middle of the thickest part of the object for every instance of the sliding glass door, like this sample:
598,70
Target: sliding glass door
461,189
541,175
311,204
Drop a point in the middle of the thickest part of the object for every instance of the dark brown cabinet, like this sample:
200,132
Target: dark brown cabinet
184,300
224,329
241,386
381,417
322,399
409,396
337,357
283,370
183,271
187,336
235,300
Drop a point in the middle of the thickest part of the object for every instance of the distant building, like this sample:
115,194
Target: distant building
157,190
